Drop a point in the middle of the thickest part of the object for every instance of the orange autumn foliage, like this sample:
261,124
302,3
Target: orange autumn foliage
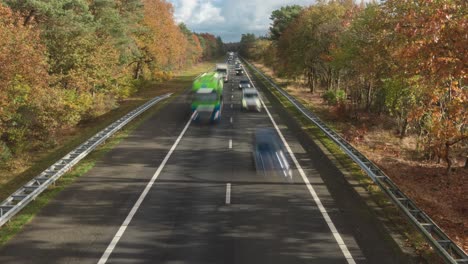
164,42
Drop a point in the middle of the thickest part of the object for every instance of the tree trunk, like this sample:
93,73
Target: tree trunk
338,83
447,158
466,162
368,96
404,128
137,72
310,81
29,17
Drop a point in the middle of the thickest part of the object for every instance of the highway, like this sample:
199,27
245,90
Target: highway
179,192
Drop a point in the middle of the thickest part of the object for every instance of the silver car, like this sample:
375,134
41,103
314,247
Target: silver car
251,100
244,84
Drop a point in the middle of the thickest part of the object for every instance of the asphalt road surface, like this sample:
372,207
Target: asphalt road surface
207,204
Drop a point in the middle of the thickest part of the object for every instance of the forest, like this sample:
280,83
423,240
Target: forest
402,59
63,62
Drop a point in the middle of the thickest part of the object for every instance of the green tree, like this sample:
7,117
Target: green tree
247,44
306,46
281,19
363,59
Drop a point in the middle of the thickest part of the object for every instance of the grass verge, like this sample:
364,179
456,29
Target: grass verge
394,221
148,91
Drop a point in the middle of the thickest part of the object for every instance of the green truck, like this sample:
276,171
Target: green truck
207,103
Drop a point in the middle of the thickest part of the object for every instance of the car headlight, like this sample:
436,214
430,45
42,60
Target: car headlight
244,103
258,102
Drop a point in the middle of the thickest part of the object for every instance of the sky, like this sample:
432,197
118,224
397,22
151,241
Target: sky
229,18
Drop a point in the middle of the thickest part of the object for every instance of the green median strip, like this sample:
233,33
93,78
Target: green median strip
395,222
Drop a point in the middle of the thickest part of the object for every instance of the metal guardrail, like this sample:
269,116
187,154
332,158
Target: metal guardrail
443,245
24,195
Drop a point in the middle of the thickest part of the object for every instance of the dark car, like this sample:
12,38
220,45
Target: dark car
244,84
239,70
270,155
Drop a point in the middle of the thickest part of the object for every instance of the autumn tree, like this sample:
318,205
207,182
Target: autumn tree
66,61
432,56
193,48
23,78
401,58
212,46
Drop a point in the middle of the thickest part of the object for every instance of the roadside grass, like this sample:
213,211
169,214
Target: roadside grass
387,212
149,90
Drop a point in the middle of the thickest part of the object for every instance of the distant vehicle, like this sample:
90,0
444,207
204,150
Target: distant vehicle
207,97
270,155
251,100
239,70
222,68
244,84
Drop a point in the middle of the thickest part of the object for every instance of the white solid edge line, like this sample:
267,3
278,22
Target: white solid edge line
130,215
230,143
228,193
336,234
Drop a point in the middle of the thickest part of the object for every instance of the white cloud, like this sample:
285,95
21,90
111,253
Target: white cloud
184,9
229,18
207,13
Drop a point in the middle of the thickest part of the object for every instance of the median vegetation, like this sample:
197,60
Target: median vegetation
65,63
390,77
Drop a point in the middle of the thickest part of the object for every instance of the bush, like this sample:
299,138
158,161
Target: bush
17,137
334,97
5,153
340,96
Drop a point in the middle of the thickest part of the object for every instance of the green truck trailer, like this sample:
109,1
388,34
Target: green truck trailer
207,103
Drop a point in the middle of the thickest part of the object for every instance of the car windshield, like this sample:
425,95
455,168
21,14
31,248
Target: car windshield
250,95
222,70
205,97
244,82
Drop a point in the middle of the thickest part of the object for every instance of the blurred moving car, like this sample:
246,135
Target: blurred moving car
251,100
244,84
270,155
223,68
